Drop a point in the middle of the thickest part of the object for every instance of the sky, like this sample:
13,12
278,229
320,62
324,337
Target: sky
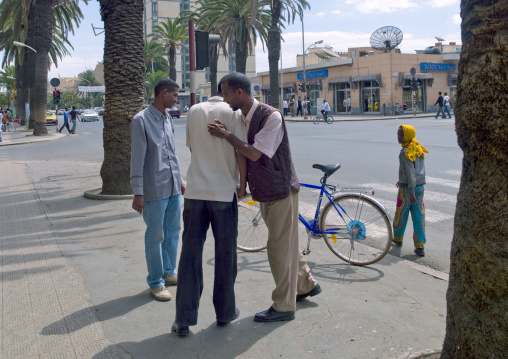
339,23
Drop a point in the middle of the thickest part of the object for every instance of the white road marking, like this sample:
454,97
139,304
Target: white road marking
443,182
428,196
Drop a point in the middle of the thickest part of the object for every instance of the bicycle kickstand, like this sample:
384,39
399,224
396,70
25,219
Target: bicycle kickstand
307,251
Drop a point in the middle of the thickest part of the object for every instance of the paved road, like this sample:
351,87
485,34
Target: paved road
367,150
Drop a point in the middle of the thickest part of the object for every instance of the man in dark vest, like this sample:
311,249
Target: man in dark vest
273,183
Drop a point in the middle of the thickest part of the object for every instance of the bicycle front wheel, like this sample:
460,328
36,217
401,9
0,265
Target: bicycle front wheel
252,230
362,235
315,120
329,119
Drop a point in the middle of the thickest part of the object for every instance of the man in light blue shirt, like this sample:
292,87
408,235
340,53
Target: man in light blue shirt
158,186
325,108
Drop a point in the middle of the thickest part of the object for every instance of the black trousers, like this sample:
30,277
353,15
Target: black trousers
299,111
197,217
66,124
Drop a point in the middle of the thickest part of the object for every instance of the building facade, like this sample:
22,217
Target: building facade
156,11
372,83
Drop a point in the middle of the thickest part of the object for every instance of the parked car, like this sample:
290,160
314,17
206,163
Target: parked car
100,111
51,118
80,111
89,115
61,111
174,112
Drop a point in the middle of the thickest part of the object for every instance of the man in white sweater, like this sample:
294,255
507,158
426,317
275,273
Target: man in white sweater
210,198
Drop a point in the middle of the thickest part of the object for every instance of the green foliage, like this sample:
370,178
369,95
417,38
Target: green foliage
151,79
154,52
7,79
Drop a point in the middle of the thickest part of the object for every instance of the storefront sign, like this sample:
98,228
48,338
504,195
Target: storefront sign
427,66
91,88
313,74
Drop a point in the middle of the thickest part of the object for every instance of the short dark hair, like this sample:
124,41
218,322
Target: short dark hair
73,107
237,80
165,84
219,87
440,92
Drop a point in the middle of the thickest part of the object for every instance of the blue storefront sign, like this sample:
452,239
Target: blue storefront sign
428,66
312,74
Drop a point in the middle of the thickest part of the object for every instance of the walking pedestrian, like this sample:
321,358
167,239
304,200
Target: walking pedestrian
74,116
285,106
210,199
157,186
292,106
300,107
440,102
410,184
273,183
446,99
308,106
66,121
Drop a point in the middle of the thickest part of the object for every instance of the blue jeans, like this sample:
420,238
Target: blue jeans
447,110
441,110
197,217
162,218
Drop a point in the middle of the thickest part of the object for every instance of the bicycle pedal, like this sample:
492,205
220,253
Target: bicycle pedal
305,252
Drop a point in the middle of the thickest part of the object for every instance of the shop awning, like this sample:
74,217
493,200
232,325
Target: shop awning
371,77
286,85
419,76
336,80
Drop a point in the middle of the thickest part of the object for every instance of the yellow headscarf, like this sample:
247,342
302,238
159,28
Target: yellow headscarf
414,148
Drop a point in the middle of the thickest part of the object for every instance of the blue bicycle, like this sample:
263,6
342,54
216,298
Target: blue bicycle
355,227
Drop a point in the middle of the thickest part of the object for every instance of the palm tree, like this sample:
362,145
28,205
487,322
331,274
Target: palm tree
234,21
477,292
87,78
124,70
292,8
151,79
153,52
28,21
9,81
171,33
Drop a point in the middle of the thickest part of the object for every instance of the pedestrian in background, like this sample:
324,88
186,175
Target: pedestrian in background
440,102
74,116
446,99
410,184
273,182
2,125
299,111
285,106
66,121
292,106
308,106
210,199
157,186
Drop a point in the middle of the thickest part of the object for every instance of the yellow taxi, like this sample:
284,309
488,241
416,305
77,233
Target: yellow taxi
51,118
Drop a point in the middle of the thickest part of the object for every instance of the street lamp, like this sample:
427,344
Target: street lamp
304,75
17,43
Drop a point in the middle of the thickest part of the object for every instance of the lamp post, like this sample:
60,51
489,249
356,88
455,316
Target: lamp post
304,74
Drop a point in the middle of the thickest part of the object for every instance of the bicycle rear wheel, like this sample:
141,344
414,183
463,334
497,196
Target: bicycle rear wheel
252,230
362,235
329,119
315,120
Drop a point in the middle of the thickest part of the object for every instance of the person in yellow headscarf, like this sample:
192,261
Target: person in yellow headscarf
410,184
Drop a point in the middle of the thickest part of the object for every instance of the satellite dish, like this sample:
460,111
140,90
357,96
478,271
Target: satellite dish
386,38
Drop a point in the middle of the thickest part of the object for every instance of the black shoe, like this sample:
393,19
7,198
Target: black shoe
271,315
398,244
420,252
220,323
317,289
180,330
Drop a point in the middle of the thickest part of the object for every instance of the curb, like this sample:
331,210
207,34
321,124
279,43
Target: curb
427,353
97,195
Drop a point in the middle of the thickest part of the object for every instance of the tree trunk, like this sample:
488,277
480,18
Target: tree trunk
29,58
274,53
241,52
124,70
214,59
41,28
477,297
21,95
172,63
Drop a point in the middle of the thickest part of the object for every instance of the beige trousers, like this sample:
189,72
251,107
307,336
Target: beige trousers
289,269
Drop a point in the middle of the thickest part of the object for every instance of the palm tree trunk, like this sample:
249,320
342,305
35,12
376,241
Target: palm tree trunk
214,59
124,70
477,297
274,52
29,59
21,93
42,30
241,51
172,63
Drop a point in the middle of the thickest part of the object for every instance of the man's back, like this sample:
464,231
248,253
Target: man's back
213,172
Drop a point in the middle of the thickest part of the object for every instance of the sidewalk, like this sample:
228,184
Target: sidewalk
73,286
21,136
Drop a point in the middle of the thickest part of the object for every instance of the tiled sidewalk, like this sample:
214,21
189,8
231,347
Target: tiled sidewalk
45,308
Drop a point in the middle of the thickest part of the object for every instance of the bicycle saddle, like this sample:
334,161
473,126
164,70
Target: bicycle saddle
327,169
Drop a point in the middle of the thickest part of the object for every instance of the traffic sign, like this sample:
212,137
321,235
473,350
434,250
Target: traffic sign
55,82
256,88
412,71
313,82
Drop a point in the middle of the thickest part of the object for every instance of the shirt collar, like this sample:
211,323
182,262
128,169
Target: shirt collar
156,113
248,118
